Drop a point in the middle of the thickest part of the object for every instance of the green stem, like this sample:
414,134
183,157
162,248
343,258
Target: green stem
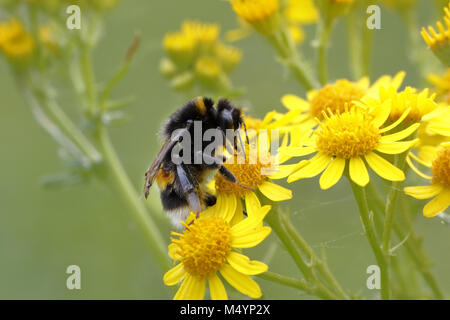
286,281
321,266
73,131
361,199
366,59
325,29
391,201
354,45
283,43
90,88
317,287
126,189
414,245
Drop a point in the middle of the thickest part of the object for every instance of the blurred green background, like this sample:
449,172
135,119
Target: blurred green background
43,231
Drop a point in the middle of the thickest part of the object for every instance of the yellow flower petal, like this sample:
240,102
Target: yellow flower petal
401,134
251,239
216,288
396,147
381,113
441,127
173,251
250,224
275,192
244,265
195,290
239,213
384,168
423,192
396,123
315,166
174,275
415,169
292,102
358,172
332,174
181,292
241,282
286,119
225,206
296,151
252,204
438,204
283,171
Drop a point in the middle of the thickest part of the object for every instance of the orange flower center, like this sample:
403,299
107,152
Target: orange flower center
441,167
348,135
248,174
335,97
204,246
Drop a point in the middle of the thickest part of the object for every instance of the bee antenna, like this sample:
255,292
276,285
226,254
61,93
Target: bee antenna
245,130
241,144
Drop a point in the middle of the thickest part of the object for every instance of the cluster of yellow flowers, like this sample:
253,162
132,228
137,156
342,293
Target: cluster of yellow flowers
19,45
343,128
15,42
197,57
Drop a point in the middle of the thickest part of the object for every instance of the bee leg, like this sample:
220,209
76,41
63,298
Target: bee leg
217,163
189,189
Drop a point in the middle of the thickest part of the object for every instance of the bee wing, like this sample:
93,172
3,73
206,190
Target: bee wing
154,167
166,148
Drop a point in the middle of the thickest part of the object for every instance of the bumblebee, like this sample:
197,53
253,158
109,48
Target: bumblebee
182,186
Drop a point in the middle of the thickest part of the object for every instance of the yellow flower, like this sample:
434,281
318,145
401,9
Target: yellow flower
348,138
196,56
420,104
15,42
439,41
296,14
439,187
334,97
201,33
442,85
180,47
208,246
253,173
255,11
228,56
428,141
208,68
46,36
438,122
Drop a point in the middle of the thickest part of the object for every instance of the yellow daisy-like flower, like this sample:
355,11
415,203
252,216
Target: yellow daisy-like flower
255,11
346,139
439,41
15,42
207,247
296,13
334,97
439,188
419,103
253,173
197,57
201,33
